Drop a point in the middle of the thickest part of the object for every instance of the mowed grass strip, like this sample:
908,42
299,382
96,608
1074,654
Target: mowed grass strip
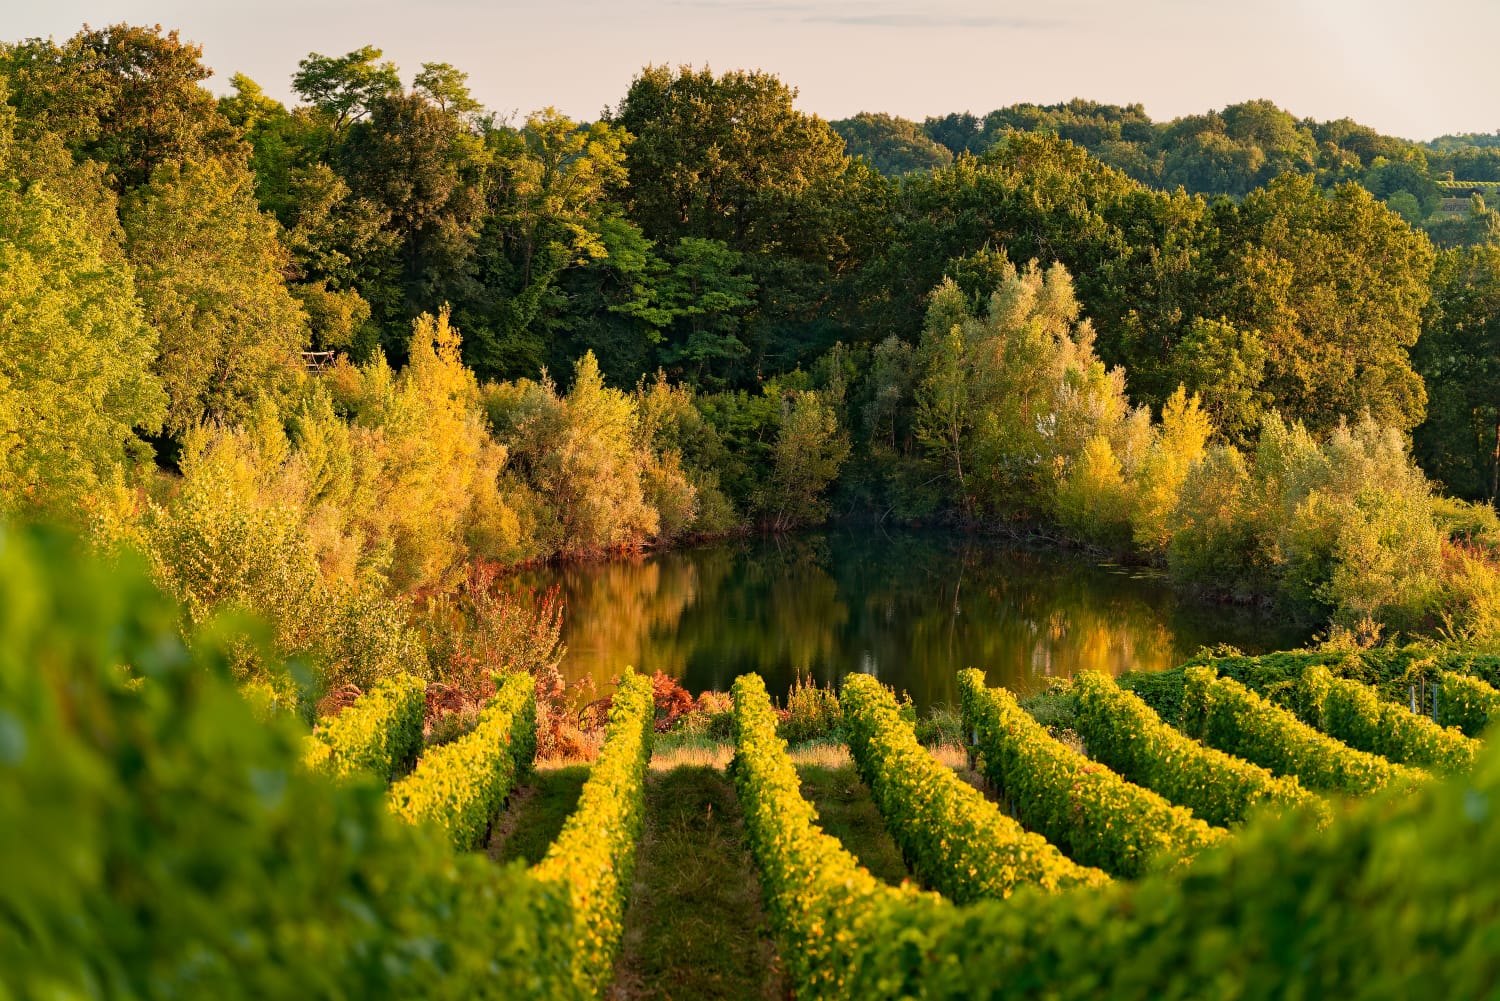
536,812
846,812
694,925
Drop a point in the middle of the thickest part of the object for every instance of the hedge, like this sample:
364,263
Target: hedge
1391,671
829,917
1351,712
1088,811
381,733
161,842
1121,731
1396,898
1466,702
957,841
1392,899
593,858
461,786
1225,714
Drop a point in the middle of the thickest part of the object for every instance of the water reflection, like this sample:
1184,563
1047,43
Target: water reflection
912,609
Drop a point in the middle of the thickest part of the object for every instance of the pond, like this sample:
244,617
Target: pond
913,609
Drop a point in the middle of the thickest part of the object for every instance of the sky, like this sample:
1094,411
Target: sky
1407,69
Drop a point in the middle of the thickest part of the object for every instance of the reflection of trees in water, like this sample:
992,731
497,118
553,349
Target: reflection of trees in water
779,613
626,612
911,609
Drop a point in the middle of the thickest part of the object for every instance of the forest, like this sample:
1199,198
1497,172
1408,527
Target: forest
318,362
295,395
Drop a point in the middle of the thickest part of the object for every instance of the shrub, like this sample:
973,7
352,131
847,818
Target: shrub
825,910
1281,910
1122,732
160,841
593,859
1350,712
461,786
1225,714
1466,703
1085,809
812,713
380,734
955,839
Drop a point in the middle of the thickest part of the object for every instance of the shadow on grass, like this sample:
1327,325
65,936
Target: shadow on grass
846,811
694,927
535,814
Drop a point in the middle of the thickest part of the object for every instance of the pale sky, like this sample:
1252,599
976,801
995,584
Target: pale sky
1410,69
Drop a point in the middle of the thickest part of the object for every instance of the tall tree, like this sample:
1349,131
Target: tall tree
124,95
724,157
1334,287
1459,357
211,273
426,171
75,355
346,88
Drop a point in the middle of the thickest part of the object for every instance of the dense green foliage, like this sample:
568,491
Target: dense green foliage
1122,732
959,843
1283,907
460,786
1088,811
162,842
1466,702
593,858
1225,714
380,733
822,905
1400,674
1352,713
709,311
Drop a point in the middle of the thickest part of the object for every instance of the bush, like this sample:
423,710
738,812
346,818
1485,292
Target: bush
957,841
1281,910
825,910
1225,714
380,733
1466,703
1085,809
812,713
593,859
461,786
160,841
1350,712
1122,732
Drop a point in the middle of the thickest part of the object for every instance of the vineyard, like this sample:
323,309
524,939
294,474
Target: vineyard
1251,828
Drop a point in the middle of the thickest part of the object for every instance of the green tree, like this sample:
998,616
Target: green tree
425,172
345,88
210,270
127,96
1459,358
810,449
724,157
446,86
75,357
552,209
892,145
1334,286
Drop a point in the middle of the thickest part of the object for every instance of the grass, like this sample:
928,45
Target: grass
536,811
846,811
694,927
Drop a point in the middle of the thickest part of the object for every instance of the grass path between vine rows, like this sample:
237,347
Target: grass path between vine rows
694,923
694,927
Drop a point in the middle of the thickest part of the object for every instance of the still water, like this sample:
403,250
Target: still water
912,609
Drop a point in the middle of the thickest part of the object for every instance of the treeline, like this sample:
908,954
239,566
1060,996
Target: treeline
1225,152
317,358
